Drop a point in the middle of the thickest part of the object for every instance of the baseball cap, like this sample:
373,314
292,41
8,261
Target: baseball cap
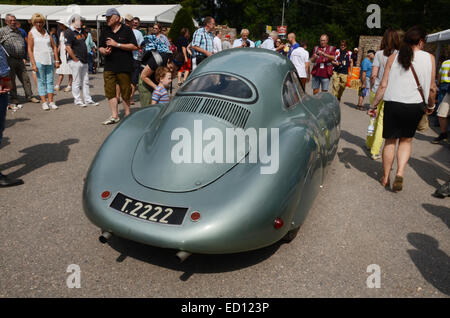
129,17
227,36
110,12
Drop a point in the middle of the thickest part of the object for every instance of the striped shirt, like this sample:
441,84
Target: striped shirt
444,72
4,67
160,95
204,40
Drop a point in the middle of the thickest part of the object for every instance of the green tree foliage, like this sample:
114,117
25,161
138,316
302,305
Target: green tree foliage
340,19
183,19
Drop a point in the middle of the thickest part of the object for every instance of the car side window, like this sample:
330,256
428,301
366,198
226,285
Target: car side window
298,84
290,94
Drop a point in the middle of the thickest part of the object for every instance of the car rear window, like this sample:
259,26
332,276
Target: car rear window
219,84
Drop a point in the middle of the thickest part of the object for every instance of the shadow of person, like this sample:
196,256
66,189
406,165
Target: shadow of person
350,158
5,142
196,263
37,156
356,140
430,173
441,212
432,263
11,122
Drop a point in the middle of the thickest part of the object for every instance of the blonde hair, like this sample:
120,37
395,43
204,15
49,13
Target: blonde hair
36,17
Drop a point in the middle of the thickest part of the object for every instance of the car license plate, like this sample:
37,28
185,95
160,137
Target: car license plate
148,211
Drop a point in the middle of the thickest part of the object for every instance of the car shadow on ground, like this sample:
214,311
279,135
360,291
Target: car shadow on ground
37,156
432,262
11,122
429,172
196,263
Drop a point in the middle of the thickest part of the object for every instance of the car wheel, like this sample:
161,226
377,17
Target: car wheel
291,235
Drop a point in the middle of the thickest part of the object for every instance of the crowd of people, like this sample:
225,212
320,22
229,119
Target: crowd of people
148,63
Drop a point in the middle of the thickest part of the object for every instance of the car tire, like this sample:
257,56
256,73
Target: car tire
291,235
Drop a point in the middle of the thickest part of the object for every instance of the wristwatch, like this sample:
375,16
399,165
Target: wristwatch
118,44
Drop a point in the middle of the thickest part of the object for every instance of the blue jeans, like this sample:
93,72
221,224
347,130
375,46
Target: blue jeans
91,62
45,79
3,107
317,81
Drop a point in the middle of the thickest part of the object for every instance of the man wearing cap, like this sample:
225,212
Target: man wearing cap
227,43
78,59
117,43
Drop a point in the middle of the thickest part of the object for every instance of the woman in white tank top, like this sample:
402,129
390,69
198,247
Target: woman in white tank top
42,49
404,106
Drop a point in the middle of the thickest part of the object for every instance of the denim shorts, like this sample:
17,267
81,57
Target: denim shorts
317,81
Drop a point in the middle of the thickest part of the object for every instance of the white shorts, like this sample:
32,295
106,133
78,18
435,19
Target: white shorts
444,107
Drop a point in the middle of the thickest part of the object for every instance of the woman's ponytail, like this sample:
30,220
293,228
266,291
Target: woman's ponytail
412,37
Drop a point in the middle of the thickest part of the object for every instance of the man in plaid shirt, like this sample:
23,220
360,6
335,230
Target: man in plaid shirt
12,41
202,40
5,87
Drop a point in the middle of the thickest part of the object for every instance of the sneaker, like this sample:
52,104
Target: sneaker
375,157
92,103
34,100
56,88
53,105
443,137
81,105
68,89
111,120
45,106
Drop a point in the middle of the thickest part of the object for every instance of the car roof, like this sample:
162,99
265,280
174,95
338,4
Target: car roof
255,64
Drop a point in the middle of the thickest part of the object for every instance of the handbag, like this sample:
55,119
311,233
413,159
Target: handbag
423,123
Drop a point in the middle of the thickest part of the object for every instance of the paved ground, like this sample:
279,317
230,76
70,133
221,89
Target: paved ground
354,223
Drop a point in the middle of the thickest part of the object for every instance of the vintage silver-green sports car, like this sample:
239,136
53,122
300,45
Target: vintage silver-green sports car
232,164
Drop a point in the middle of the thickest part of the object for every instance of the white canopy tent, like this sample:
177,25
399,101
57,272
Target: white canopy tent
147,13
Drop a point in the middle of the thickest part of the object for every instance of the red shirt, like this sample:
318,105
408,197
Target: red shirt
322,62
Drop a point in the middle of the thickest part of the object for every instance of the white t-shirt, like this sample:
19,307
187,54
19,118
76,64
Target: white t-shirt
217,45
380,61
402,86
268,44
299,57
238,43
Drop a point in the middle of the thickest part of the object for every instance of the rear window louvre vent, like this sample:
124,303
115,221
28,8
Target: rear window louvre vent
230,112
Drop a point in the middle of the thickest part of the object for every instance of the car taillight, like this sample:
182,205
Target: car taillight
278,224
195,216
106,195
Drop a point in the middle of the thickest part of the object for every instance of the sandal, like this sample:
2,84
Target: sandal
398,184
360,108
385,185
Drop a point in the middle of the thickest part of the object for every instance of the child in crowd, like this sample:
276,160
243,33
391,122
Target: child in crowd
164,77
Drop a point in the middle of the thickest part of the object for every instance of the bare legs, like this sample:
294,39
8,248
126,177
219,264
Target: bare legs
60,79
403,155
114,107
50,98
